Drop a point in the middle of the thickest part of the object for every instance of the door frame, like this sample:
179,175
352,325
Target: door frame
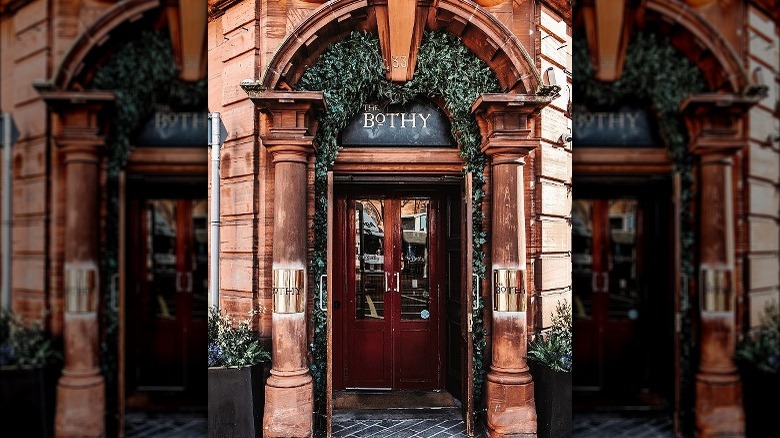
367,165
178,162
617,165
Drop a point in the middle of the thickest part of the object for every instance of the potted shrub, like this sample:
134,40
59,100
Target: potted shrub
550,360
238,368
758,359
29,368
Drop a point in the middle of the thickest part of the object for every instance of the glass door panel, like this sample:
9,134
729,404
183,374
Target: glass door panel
415,292
623,293
370,276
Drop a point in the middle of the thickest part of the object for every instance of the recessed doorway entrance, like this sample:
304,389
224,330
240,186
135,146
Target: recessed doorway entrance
166,295
622,297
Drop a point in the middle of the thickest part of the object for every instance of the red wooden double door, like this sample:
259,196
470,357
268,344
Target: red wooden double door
623,297
389,300
166,300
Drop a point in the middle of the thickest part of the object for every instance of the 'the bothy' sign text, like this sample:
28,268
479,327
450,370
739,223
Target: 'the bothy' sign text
416,124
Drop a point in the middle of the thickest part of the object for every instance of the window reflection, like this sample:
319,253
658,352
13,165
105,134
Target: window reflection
161,256
415,294
369,259
582,257
622,259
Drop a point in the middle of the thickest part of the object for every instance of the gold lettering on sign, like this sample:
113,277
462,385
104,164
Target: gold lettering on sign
620,120
165,120
395,120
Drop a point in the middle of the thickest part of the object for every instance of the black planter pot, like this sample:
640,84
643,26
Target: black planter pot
27,401
758,387
552,394
236,398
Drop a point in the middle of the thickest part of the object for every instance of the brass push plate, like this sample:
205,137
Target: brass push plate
289,286
80,290
717,291
509,293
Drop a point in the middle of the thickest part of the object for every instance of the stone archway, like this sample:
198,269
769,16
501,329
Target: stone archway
480,31
700,41
79,140
69,73
716,123
507,123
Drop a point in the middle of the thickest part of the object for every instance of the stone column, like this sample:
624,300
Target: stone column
81,389
507,126
288,136
716,129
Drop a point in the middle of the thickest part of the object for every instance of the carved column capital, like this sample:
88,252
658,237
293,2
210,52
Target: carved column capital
79,121
507,123
288,122
287,117
717,122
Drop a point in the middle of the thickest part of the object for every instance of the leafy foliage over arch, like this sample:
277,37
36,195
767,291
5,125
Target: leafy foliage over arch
350,73
142,75
655,74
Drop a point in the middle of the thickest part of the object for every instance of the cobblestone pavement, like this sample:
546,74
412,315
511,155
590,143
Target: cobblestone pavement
178,425
616,424
400,423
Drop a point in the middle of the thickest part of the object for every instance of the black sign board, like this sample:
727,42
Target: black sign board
175,129
625,127
415,124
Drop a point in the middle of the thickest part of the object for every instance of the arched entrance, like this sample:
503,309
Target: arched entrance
375,308
661,264
94,226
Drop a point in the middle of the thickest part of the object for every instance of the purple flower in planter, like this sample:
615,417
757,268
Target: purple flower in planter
6,355
215,356
566,362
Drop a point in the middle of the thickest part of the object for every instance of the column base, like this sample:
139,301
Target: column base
719,411
511,411
289,405
81,406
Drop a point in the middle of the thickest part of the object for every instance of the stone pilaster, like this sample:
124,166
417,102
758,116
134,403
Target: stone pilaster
81,389
507,126
716,127
288,134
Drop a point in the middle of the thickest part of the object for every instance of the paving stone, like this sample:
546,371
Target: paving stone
616,425
175,425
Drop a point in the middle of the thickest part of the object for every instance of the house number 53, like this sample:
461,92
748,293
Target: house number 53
399,61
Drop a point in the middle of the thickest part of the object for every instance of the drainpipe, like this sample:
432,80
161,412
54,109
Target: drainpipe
214,145
5,250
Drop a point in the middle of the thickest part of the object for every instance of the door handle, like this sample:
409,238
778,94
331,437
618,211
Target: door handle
397,282
386,288
322,288
604,281
475,304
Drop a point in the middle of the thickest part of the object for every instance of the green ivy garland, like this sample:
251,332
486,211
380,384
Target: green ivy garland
656,74
142,75
351,72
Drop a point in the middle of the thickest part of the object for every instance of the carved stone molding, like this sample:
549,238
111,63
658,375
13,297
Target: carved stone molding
479,30
507,122
717,122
